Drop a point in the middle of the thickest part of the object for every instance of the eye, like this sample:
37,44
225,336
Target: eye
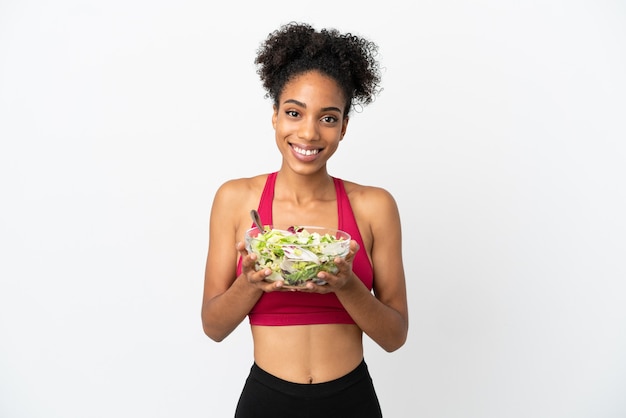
329,119
292,113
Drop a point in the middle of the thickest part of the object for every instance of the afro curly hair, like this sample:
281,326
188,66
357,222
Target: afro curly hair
296,48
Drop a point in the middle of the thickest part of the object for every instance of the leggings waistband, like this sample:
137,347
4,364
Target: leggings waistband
310,389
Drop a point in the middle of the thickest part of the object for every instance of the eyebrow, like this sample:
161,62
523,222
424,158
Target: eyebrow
324,109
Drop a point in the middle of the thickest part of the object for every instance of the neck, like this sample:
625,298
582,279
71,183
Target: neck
300,188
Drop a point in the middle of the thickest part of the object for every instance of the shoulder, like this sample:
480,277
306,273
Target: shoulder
233,201
367,195
238,193
370,202
235,189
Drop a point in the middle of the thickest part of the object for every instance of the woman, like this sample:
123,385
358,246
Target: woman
314,79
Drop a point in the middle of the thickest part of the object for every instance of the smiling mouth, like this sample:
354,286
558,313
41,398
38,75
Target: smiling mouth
303,151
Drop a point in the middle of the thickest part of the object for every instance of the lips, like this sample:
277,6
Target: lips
305,152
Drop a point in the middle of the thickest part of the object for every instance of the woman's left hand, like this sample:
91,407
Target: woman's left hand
338,280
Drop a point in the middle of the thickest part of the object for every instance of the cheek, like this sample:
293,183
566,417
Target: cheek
280,133
283,127
279,129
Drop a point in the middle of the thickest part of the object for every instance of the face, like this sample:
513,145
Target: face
309,121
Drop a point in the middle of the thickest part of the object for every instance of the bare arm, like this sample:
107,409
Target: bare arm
227,299
383,316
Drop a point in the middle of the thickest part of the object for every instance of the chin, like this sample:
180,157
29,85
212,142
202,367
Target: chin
306,168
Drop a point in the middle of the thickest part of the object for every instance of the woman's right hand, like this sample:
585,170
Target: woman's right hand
254,277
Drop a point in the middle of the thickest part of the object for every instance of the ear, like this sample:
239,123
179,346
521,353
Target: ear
274,116
344,127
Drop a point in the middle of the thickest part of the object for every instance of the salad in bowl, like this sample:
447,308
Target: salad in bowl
296,254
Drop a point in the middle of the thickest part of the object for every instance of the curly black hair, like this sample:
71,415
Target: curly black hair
296,48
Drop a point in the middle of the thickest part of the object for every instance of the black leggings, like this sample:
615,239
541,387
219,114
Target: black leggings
265,395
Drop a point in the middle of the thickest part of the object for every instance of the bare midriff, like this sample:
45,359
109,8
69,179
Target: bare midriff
308,353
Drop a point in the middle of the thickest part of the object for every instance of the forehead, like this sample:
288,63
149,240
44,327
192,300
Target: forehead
313,88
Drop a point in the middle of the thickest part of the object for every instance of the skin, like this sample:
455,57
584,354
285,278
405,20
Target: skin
309,117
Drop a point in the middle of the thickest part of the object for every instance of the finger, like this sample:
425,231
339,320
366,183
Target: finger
248,262
259,275
311,287
272,286
328,279
343,264
354,248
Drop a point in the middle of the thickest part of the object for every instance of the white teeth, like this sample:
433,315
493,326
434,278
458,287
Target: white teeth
305,151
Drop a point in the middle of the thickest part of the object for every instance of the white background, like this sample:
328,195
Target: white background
500,131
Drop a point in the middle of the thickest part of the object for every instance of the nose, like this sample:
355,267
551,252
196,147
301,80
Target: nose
308,130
